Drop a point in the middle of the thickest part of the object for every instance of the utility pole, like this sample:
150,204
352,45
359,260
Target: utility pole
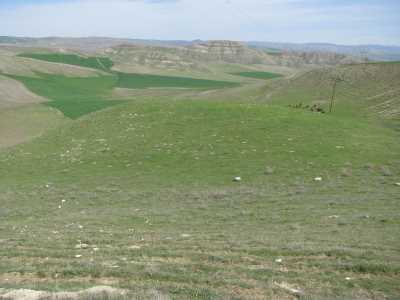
336,80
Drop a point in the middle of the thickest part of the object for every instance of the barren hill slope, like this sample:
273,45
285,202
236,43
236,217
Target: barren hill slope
202,55
14,93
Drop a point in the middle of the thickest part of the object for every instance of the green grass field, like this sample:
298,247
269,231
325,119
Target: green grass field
140,81
142,195
73,96
258,75
78,96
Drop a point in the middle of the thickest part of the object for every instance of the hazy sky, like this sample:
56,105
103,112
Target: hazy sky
335,21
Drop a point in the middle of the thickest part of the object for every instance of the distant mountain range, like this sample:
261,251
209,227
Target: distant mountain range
370,52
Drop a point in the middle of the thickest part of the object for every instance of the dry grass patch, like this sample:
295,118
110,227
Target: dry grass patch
14,93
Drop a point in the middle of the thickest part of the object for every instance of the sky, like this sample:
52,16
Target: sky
349,22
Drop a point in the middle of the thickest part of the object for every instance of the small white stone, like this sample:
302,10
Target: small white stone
318,179
185,235
81,246
278,260
397,183
237,179
348,278
59,206
63,201
78,256
135,247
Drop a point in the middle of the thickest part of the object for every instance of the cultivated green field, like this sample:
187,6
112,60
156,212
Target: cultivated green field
140,81
77,96
142,195
258,75
101,63
73,96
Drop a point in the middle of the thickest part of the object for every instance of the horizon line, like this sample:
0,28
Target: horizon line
204,40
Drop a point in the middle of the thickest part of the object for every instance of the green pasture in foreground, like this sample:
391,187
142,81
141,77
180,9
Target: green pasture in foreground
189,142
147,188
258,75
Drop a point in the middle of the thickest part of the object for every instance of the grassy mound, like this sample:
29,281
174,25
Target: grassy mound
188,142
